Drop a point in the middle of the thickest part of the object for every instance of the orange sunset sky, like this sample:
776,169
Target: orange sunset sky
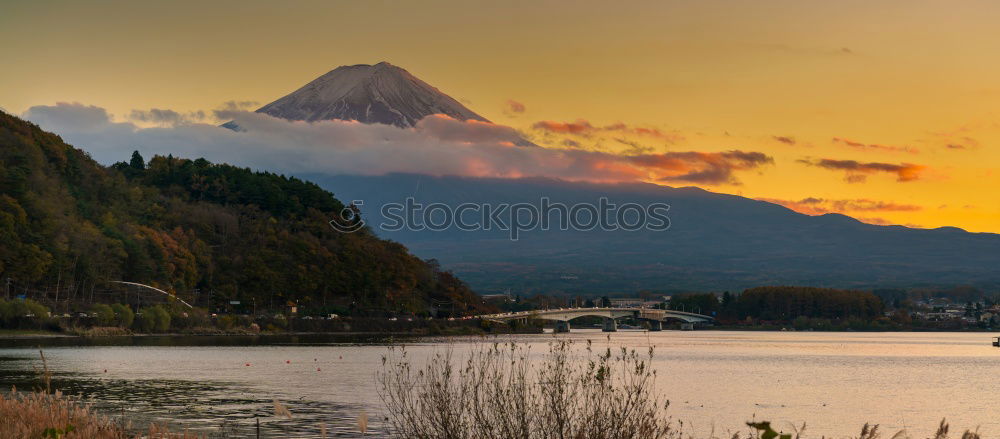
885,111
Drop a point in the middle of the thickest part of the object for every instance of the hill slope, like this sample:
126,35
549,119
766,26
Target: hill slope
180,224
715,241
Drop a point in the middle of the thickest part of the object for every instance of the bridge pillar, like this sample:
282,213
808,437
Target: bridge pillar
655,325
562,326
610,325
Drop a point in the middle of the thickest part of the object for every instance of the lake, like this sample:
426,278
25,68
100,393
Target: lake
715,380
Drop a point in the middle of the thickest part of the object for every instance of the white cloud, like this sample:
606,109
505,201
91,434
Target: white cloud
437,145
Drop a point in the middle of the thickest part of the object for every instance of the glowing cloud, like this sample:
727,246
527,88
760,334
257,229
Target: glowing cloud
874,146
166,117
702,167
784,139
820,206
436,145
584,128
514,107
856,172
581,127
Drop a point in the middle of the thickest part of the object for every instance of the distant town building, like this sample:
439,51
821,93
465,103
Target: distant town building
624,302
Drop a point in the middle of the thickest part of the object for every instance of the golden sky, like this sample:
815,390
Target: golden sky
886,110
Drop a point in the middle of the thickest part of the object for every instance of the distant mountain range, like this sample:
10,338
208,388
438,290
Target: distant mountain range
716,241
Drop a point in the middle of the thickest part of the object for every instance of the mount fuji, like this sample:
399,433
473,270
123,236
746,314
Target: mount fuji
380,93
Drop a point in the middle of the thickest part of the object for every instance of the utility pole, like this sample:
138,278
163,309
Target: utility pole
58,281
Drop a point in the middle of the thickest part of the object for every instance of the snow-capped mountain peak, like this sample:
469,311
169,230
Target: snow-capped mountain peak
380,93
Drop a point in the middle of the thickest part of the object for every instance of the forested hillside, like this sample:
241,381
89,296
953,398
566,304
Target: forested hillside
69,225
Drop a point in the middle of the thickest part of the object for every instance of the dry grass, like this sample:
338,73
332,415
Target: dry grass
39,415
498,393
101,331
52,415
873,432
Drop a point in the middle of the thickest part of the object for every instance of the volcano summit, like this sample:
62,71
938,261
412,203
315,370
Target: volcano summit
380,93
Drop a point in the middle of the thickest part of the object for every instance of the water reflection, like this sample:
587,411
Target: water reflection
192,382
204,340
716,380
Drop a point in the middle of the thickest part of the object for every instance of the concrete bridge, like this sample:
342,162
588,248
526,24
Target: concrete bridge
562,316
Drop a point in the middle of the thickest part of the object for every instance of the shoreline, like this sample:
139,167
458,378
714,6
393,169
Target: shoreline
54,335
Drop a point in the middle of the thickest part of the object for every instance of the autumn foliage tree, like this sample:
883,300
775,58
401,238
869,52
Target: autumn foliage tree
67,223
788,302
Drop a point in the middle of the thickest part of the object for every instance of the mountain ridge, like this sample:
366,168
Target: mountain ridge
715,241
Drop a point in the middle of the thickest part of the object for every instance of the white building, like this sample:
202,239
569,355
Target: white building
624,302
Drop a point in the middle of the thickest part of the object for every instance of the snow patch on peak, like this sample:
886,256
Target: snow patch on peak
381,93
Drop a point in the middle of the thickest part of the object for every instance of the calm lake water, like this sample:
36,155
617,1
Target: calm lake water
716,380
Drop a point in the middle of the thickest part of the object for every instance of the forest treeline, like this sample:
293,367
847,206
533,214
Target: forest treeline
69,225
784,303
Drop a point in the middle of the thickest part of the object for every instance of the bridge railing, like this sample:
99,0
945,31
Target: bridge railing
643,313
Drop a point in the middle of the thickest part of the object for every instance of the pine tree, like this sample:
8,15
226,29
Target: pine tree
137,161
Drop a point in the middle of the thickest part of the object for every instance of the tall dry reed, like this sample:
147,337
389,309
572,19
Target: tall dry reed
498,392
35,415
